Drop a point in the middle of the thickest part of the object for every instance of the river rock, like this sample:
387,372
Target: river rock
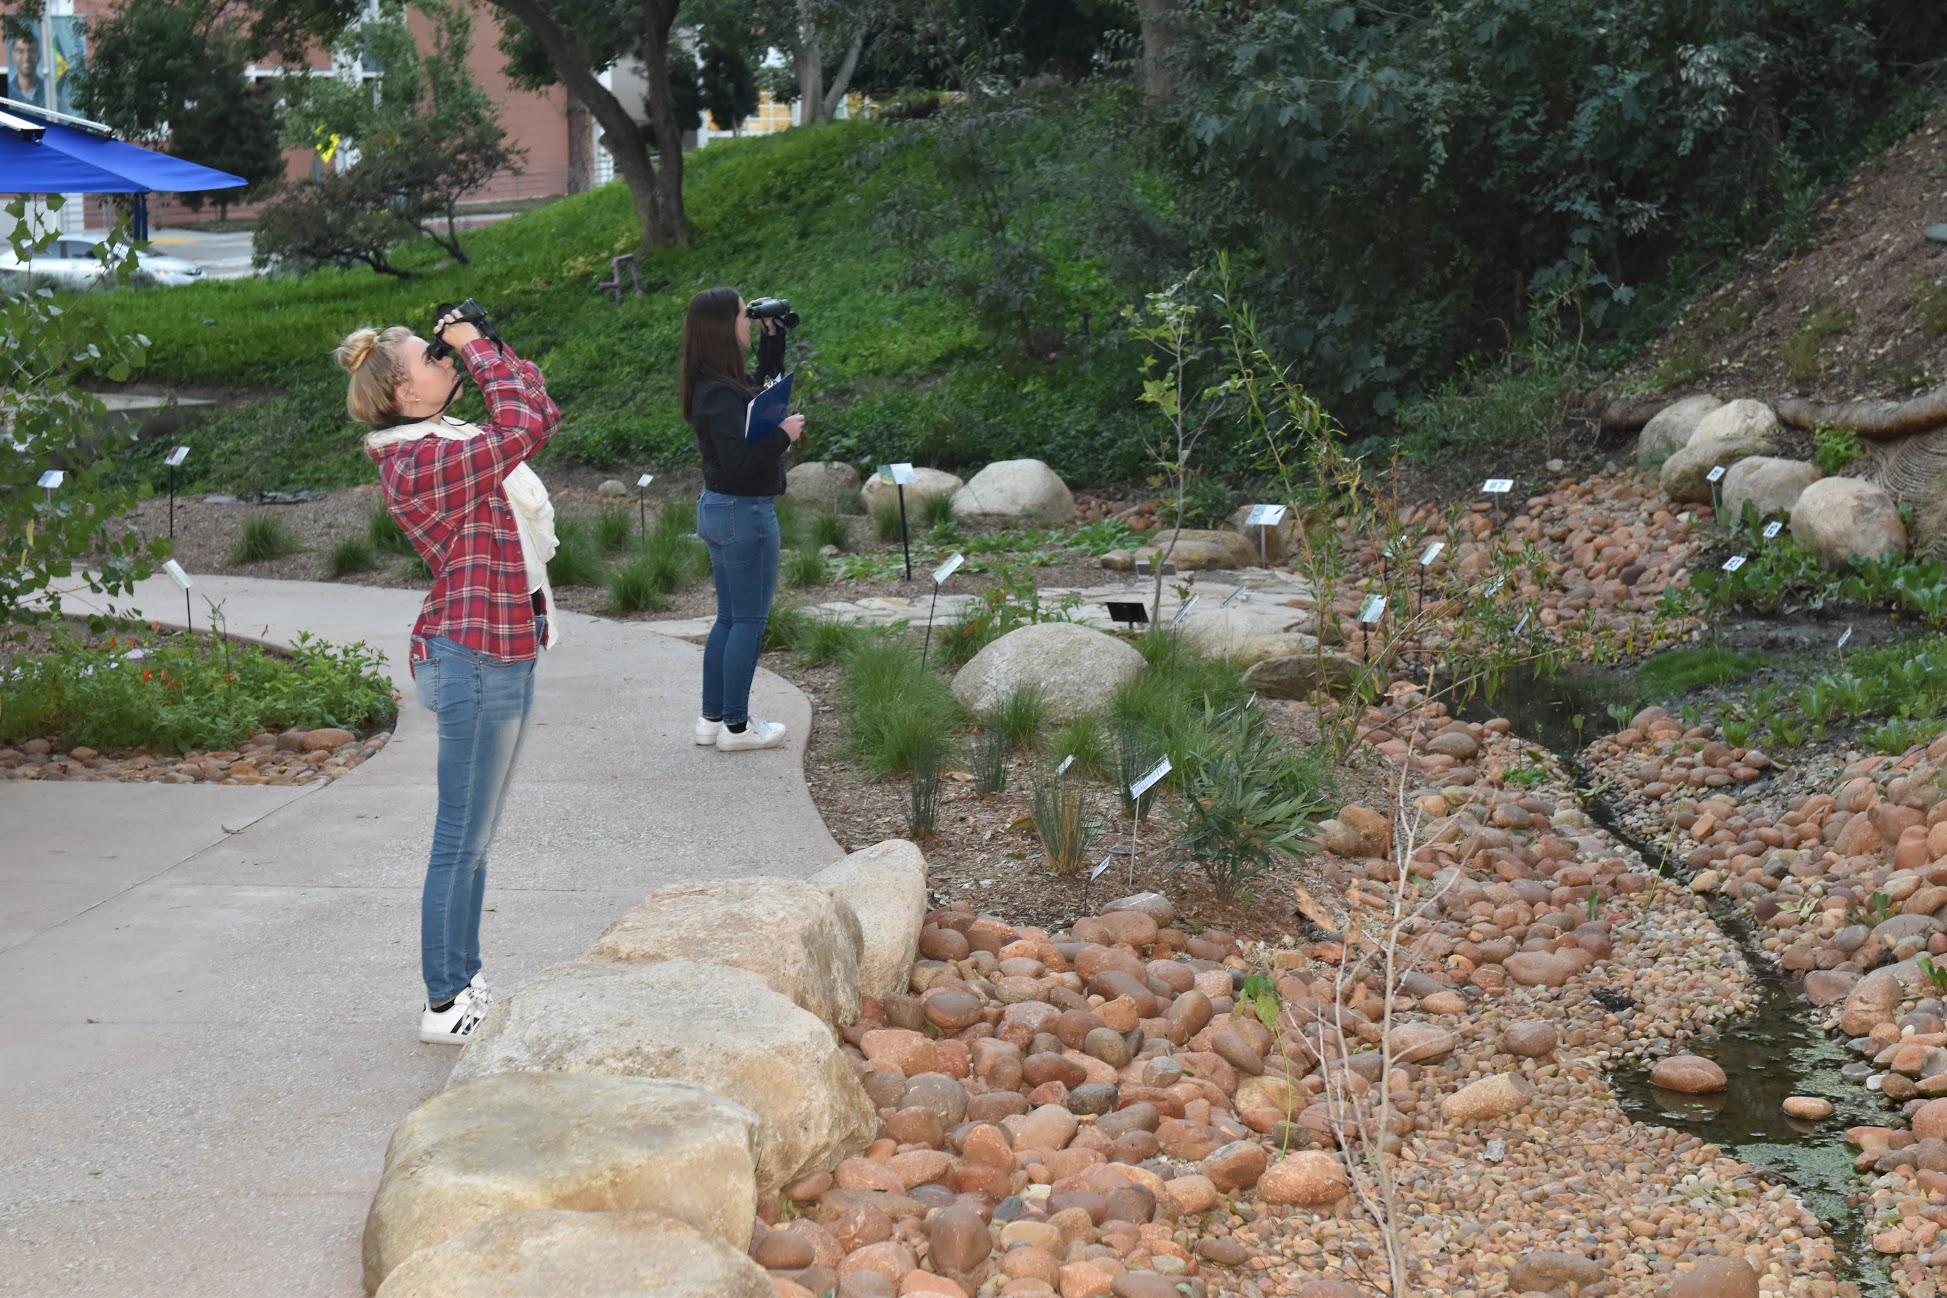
1871,1002
1530,1039
800,938
885,887
1539,968
1717,1277
509,1142
1487,1098
1769,484
580,1255
824,484
1193,549
1236,1166
1930,1120
1730,433
1552,1270
1843,519
1075,668
1670,429
1689,1074
958,1239
1310,1179
718,1026
1422,1043
876,491
1016,489
1811,1108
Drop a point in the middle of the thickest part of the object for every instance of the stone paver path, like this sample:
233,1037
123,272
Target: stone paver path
211,992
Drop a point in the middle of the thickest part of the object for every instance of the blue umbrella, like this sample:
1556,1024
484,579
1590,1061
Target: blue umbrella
39,155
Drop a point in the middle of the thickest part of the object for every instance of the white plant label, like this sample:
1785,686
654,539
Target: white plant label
1096,873
1733,563
1715,474
1772,529
176,573
176,456
1265,516
1497,486
1233,597
1432,552
1066,762
52,478
1184,612
645,480
1149,778
1522,625
1493,586
1373,609
1847,636
947,569
898,475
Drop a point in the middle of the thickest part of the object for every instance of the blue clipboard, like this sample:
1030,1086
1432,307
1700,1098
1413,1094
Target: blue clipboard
767,410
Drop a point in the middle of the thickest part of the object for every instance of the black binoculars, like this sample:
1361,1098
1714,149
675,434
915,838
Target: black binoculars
471,312
773,308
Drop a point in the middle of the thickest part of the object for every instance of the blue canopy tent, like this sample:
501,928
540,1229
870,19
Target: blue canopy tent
44,152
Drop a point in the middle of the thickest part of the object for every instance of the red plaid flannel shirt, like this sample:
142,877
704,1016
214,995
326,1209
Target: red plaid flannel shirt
447,498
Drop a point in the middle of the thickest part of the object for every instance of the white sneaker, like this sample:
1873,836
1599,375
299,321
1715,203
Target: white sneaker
706,730
756,734
484,993
454,1024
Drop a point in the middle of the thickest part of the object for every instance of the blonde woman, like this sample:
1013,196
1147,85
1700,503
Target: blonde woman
481,520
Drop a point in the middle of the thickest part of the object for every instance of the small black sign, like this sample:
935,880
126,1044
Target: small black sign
1134,614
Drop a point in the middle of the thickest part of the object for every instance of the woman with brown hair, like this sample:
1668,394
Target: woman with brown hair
481,520
735,515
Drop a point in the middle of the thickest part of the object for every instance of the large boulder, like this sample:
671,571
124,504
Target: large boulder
795,935
926,482
885,886
1193,549
1243,635
1016,489
1771,485
580,1255
1300,674
1669,429
718,1026
1076,668
1730,433
508,1142
824,484
1843,519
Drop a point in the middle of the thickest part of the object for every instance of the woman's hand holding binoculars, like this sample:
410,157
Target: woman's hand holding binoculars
455,330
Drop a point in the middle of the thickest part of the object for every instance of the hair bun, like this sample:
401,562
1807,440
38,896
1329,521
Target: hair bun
358,345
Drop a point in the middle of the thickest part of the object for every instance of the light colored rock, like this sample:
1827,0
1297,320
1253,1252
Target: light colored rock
1543,1271
1299,675
509,1142
876,491
580,1255
1689,1074
1422,1043
1016,489
799,937
824,484
1843,519
1243,636
1726,435
1310,1178
1669,429
1717,1277
1811,1108
1193,549
612,489
718,1026
1076,668
1489,1097
1769,484
1279,541
885,886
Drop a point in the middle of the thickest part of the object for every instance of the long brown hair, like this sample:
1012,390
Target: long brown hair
710,349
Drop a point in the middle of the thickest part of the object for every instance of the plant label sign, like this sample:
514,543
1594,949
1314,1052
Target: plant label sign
1715,475
1373,609
176,573
1066,762
1184,612
1494,586
1497,486
52,478
1096,873
897,475
1127,611
645,480
1847,636
1149,778
176,456
1233,597
1265,516
1522,625
1772,529
1432,552
947,569
1733,563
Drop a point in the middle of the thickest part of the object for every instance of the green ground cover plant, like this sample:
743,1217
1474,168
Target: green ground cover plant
1678,670
264,537
187,693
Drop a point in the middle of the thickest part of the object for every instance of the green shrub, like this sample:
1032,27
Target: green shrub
1086,740
790,522
1020,719
678,518
348,557
614,530
898,714
885,520
823,529
789,626
1834,449
632,588
384,533
1059,822
577,559
1250,800
935,510
989,758
827,640
802,568
668,562
923,796
265,537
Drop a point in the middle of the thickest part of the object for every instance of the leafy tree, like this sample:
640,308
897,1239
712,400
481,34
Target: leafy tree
65,537
727,81
423,136
172,75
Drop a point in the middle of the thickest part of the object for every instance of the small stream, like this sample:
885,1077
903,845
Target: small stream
1776,1050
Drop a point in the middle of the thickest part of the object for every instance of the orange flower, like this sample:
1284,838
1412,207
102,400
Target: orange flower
146,674
155,626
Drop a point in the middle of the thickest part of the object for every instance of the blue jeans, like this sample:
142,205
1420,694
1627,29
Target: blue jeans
741,532
482,706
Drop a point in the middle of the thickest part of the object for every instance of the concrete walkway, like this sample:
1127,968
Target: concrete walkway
212,992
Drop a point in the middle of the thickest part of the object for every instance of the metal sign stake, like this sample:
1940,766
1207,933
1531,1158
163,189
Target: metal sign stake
642,503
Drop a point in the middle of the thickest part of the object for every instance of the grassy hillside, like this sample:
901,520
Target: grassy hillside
887,368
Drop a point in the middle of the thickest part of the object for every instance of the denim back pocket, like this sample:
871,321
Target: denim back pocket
716,520
425,684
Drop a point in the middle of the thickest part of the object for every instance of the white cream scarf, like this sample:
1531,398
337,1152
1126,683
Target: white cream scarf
526,495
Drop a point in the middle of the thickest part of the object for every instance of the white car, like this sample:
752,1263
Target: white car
70,263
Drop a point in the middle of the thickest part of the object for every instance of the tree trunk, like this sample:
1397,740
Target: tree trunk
808,53
662,225
1873,420
1158,19
657,18
842,79
581,147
